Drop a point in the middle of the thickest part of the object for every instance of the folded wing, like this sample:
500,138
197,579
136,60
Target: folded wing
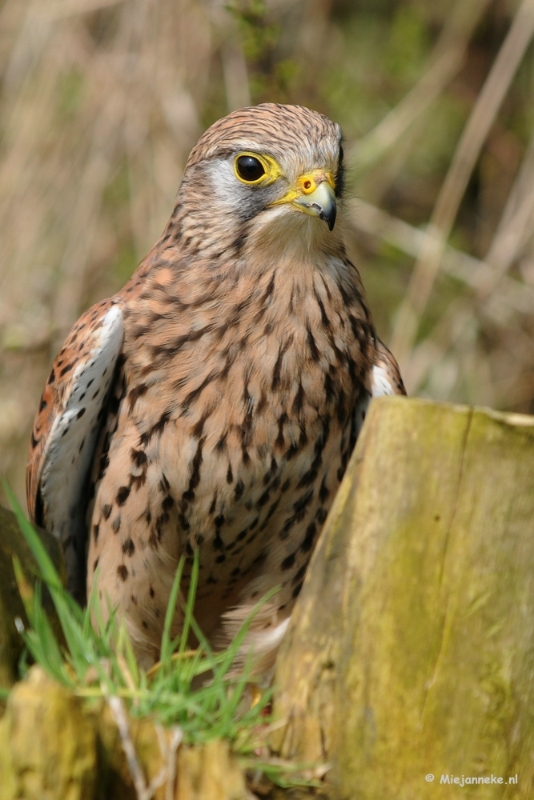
386,378
65,432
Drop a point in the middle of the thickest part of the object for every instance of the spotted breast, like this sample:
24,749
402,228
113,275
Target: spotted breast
233,374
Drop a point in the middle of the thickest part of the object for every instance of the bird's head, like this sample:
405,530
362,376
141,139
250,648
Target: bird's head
269,174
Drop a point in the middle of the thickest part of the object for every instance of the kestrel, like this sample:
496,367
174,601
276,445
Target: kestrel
213,403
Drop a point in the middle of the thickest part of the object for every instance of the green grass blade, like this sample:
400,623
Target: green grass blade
46,568
64,604
191,596
166,644
41,641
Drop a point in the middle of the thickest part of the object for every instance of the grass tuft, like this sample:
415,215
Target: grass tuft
196,690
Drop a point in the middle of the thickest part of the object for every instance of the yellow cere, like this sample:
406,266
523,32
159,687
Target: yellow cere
307,184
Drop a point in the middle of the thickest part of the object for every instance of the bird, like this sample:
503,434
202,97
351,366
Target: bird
209,408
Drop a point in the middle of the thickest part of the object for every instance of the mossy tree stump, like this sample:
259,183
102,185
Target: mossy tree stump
411,650
55,747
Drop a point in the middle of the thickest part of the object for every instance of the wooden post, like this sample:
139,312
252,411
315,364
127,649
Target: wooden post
411,650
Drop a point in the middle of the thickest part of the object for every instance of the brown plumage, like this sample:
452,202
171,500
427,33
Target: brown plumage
214,401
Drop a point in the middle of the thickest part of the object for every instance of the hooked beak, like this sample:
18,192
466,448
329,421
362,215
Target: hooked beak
314,194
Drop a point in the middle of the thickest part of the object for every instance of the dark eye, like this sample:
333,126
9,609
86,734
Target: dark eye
249,168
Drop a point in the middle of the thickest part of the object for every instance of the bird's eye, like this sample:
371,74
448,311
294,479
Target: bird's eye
249,169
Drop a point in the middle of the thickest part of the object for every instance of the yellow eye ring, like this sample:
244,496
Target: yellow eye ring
253,169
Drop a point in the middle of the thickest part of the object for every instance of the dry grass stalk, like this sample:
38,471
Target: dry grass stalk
101,101
467,152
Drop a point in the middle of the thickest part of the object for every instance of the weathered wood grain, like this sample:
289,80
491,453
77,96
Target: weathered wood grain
411,650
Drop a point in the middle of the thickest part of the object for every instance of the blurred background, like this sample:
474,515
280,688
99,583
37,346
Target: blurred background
101,101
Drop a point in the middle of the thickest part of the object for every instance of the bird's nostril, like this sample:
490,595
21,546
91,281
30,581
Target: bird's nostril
307,184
